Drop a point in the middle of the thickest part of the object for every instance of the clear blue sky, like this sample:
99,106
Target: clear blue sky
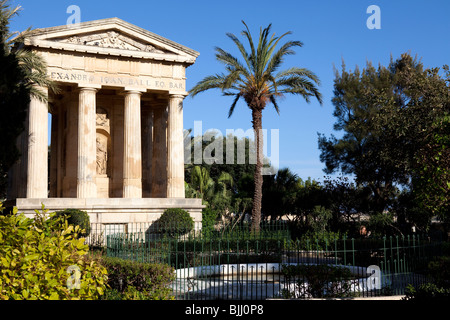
330,30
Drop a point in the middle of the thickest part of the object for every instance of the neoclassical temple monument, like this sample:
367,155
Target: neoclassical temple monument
116,125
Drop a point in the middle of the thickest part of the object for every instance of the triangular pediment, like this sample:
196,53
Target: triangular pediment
112,37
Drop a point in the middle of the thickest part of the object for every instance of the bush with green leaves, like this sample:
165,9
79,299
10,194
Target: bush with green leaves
44,259
317,281
427,292
76,217
131,280
174,222
209,220
439,270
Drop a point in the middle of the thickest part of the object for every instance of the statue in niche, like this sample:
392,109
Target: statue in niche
102,157
102,141
102,118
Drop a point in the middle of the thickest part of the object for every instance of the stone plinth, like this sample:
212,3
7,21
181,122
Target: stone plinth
113,210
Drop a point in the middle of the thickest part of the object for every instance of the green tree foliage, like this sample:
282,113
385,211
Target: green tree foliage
280,193
237,166
347,201
202,182
131,280
438,289
432,170
217,194
75,218
394,122
44,259
258,81
20,70
174,222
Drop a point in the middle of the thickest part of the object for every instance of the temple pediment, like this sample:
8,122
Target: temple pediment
111,37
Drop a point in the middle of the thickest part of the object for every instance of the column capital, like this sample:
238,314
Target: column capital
87,87
177,94
134,90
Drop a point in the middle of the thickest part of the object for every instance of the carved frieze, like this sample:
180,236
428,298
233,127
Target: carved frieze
111,39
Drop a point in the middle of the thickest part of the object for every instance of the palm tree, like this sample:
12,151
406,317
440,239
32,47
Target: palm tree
258,81
20,70
279,193
31,65
202,182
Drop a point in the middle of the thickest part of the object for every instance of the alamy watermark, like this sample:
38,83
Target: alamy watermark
74,20
208,148
73,282
374,21
374,279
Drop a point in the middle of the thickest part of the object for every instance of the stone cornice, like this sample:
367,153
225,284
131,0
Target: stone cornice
165,49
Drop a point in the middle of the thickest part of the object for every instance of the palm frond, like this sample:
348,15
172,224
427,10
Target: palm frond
35,71
252,57
296,71
262,52
232,79
228,59
233,105
299,81
275,104
300,86
209,82
16,39
278,57
242,50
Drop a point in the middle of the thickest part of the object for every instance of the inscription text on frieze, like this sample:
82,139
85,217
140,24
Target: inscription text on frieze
152,83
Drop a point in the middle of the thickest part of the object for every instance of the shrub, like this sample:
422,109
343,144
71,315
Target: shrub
174,222
209,219
317,281
439,289
76,217
427,292
42,259
314,241
130,280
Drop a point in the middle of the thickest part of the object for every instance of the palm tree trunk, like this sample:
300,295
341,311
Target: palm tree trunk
257,195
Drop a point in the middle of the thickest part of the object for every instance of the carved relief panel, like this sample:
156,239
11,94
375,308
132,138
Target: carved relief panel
103,142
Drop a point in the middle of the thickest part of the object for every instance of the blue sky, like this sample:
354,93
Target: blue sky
331,31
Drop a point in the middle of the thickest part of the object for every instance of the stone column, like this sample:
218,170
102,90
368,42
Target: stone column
37,171
175,147
159,152
87,148
132,163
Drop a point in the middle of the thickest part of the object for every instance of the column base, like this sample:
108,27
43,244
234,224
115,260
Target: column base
86,189
132,188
